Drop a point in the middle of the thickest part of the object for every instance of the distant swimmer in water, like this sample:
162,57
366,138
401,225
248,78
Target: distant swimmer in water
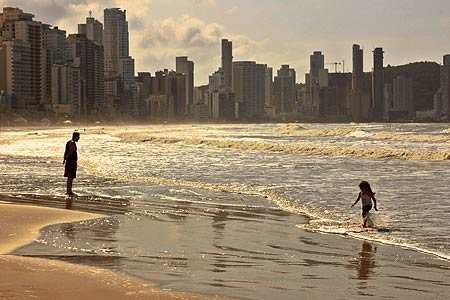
70,162
366,196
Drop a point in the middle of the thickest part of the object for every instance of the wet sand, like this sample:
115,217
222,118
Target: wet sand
34,278
247,253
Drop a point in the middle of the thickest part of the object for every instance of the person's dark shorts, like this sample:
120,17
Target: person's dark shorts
365,210
70,170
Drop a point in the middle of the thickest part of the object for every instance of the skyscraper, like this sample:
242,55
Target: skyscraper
317,63
249,88
24,32
227,63
90,58
15,73
378,109
120,86
285,90
115,40
268,87
315,81
403,99
443,110
358,68
56,52
186,67
93,29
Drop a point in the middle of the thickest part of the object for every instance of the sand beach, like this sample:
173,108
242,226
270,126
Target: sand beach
33,278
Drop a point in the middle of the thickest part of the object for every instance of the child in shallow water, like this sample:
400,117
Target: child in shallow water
366,196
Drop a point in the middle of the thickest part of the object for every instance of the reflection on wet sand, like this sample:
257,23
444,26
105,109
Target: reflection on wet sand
366,261
88,203
69,202
91,243
234,250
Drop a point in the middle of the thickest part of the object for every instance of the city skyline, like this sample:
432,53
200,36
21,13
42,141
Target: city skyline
274,33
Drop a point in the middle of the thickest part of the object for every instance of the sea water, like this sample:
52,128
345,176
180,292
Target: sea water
303,176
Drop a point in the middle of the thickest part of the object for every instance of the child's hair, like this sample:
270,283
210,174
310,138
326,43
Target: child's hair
365,187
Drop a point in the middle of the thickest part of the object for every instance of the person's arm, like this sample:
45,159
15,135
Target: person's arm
65,154
69,150
374,203
359,197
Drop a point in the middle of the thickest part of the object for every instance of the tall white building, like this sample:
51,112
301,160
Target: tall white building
120,86
186,67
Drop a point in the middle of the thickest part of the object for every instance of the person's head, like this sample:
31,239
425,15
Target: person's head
75,136
365,187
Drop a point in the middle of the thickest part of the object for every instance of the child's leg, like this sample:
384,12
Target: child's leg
365,215
365,221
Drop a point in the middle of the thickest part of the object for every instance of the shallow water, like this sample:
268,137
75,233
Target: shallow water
232,200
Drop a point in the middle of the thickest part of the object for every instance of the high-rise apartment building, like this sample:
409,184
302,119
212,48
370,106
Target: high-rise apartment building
443,109
378,107
120,86
317,63
360,97
315,80
56,45
115,40
66,88
358,68
168,95
268,87
403,98
15,74
93,29
285,90
27,45
56,51
186,67
249,88
90,57
227,63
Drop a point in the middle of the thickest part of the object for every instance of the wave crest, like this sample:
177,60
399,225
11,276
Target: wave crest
297,130
301,148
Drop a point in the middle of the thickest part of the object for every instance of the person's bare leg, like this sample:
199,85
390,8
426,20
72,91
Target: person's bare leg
69,186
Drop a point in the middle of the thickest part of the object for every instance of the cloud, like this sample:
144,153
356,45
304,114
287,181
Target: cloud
184,32
154,43
205,2
232,11
161,41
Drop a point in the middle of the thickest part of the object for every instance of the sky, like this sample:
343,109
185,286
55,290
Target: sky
273,32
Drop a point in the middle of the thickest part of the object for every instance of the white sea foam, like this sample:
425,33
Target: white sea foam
360,134
301,148
379,234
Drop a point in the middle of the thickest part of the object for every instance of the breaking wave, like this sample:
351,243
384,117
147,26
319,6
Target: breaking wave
319,220
301,148
414,138
379,233
297,130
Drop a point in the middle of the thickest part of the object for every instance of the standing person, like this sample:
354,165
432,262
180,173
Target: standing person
70,162
366,195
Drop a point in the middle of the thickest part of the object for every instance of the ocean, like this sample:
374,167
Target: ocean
221,209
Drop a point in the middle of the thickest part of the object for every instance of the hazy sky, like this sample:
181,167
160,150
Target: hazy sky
270,31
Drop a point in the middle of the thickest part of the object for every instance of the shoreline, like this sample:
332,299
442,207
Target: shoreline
48,279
